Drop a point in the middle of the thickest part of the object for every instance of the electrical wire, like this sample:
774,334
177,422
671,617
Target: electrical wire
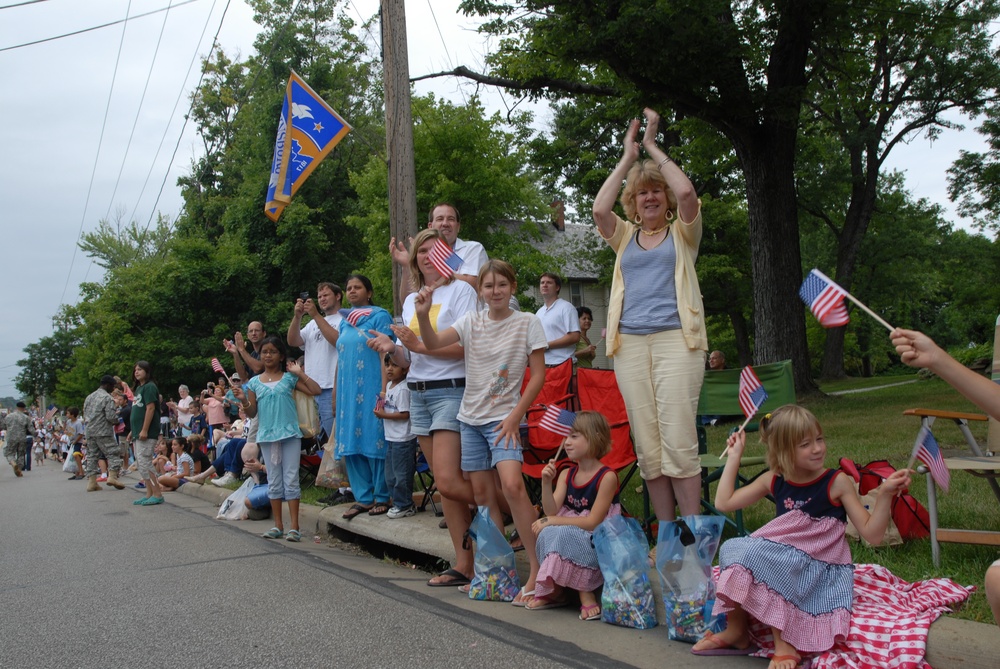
87,30
100,142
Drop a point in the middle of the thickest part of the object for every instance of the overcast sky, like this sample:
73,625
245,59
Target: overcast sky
67,165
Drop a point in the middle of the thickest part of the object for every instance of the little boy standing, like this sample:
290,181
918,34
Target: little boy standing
401,444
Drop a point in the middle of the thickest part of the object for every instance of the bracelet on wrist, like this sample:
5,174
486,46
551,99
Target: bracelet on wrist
666,159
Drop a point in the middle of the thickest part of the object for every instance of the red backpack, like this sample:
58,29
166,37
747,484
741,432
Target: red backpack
909,515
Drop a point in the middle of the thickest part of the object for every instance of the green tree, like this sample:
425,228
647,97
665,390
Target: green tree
48,357
115,244
974,179
762,62
478,163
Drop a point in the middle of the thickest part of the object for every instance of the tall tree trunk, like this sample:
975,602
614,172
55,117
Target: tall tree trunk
775,259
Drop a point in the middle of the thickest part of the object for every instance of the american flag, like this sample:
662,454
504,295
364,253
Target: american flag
752,394
444,258
380,403
557,420
825,299
354,316
926,450
217,366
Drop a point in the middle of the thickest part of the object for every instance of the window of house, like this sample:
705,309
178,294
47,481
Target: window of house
576,293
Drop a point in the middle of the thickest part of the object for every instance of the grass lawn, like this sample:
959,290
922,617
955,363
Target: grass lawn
871,426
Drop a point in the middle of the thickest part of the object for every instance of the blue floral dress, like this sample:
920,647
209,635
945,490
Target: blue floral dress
359,382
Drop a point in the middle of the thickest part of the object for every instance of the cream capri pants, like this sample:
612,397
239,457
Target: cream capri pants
660,380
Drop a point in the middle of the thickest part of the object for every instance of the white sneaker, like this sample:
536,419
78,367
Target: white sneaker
396,512
225,480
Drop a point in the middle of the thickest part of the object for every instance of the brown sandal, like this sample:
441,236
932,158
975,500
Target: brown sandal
355,510
379,509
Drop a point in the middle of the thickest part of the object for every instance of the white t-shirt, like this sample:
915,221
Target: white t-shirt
473,256
496,356
321,355
184,411
559,320
397,400
448,304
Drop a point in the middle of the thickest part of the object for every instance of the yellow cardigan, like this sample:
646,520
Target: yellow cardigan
689,305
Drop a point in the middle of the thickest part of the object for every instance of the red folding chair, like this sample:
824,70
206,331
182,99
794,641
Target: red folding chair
540,445
597,390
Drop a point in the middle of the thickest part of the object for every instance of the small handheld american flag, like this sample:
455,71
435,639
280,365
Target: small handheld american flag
926,450
217,366
751,394
557,420
380,402
444,258
354,316
825,299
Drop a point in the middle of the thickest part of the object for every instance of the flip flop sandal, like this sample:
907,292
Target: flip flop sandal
525,595
379,509
455,577
719,647
592,612
546,604
354,511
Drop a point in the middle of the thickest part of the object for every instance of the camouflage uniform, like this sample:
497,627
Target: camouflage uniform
18,425
101,416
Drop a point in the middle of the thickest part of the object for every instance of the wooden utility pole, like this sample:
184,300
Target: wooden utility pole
398,136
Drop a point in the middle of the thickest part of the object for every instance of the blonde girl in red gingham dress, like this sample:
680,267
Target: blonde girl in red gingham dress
795,573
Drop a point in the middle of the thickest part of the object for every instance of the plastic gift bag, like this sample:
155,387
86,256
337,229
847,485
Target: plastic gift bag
627,598
684,557
332,473
305,407
495,577
233,507
69,466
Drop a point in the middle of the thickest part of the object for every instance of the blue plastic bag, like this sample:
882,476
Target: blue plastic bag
627,598
495,578
684,555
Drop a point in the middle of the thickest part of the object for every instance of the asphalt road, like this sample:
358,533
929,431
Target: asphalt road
90,580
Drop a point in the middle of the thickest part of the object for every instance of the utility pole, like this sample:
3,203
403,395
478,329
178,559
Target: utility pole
398,136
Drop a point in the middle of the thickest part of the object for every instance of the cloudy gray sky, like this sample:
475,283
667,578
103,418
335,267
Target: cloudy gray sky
82,139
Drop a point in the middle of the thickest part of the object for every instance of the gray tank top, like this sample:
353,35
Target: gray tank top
650,294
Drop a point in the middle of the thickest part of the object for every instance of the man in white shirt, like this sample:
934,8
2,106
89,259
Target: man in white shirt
559,320
445,219
318,340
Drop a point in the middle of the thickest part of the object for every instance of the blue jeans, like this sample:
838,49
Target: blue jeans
282,460
400,467
231,459
324,404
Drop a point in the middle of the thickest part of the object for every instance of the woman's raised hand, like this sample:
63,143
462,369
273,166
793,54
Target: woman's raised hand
380,342
652,127
422,300
405,336
294,367
399,254
630,152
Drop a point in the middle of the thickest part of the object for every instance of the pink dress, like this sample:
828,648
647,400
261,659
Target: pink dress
566,552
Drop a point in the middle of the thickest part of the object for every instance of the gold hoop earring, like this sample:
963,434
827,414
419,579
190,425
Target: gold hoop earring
638,219
669,215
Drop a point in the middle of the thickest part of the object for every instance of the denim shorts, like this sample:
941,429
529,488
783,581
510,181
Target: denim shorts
436,409
480,451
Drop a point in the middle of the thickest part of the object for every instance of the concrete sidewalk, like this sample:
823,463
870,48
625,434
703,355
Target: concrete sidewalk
952,643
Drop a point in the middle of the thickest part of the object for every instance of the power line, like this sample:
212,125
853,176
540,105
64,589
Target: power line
100,142
22,4
166,174
87,30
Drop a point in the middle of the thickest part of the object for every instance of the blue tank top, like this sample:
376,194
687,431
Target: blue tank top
582,498
812,498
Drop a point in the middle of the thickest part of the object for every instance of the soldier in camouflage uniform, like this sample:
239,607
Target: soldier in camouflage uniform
101,415
18,425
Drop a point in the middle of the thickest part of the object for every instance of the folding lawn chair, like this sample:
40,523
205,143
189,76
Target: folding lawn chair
597,390
720,397
540,445
426,481
983,465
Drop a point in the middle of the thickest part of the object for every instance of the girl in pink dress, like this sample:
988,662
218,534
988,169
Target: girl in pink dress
585,494
794,574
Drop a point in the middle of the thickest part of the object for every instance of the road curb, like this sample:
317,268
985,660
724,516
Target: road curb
951,644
